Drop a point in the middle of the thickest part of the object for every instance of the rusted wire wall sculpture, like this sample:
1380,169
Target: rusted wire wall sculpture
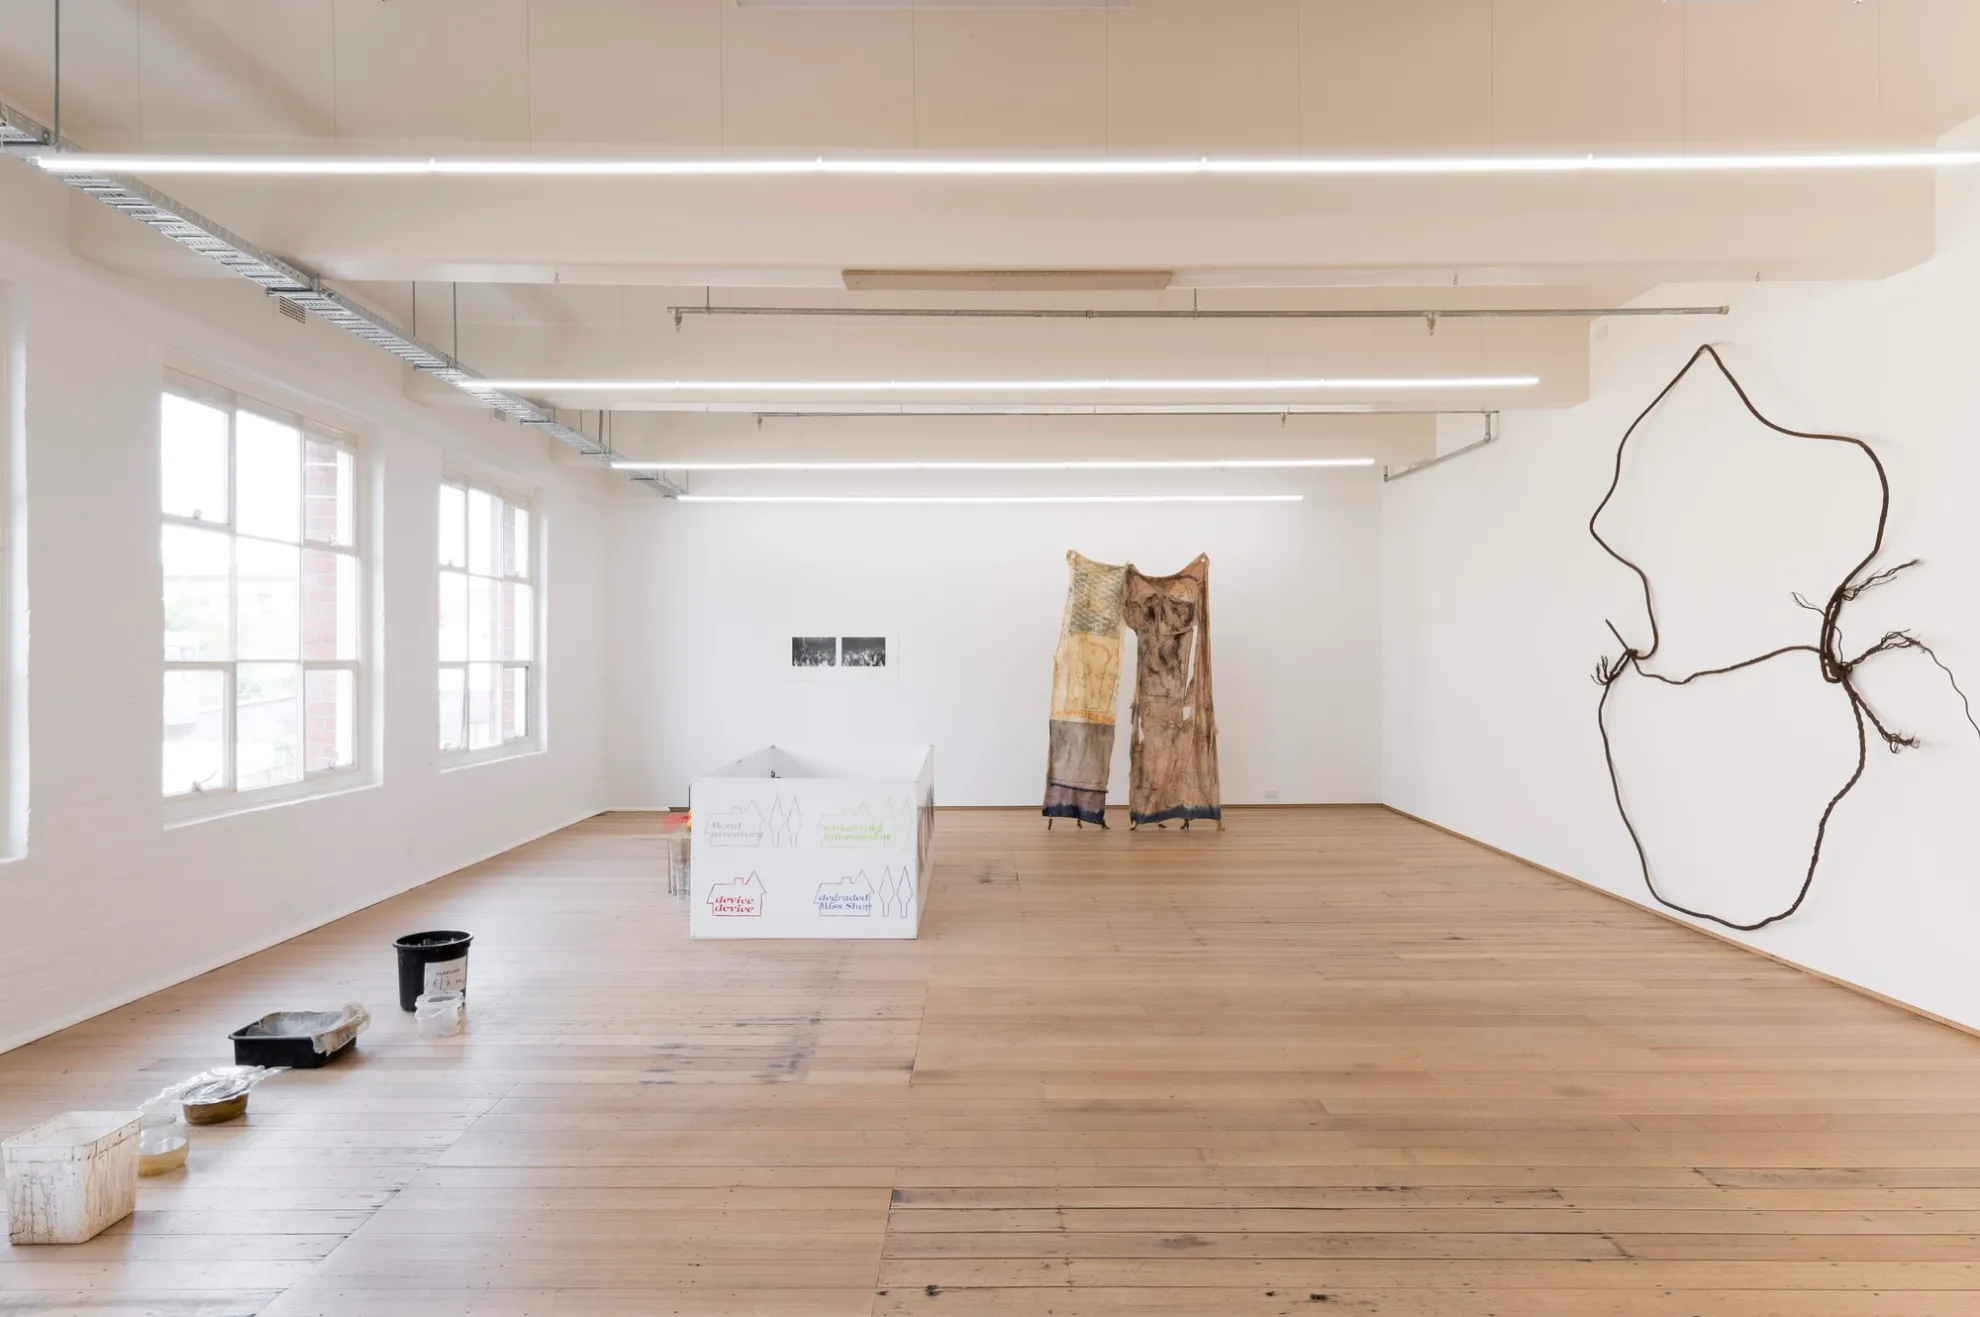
1838,668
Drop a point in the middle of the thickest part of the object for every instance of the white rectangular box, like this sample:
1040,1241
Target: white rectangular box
813,841
71,1178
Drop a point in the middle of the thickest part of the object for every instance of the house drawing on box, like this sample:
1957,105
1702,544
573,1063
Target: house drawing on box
845,897
751,824
741,826
740,898
854,828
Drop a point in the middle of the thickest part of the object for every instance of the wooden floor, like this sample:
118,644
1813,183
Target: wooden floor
1325,1061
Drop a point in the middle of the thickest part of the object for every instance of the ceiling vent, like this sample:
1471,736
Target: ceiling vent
291,310
1006,281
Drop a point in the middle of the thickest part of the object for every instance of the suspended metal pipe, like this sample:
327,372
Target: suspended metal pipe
1429,316
55,133
1491,436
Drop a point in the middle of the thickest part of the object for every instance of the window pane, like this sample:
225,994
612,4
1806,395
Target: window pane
481,617
515,621
267,725
515,540
330,605
515,703
481,705
193,459
329,733
453,526
481,507
453,709
269,582
195,731
329,494
197,574
268,477
453,617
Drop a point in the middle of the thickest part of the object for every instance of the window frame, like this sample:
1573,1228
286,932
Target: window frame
229,797
14,638
506,495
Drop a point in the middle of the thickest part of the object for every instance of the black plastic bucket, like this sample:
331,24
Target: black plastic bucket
432,962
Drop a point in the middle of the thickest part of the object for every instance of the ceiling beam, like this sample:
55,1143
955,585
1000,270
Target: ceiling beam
1564,230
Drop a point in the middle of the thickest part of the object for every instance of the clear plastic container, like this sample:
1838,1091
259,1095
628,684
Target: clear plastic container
71,1177
679,859
162,1138
440,1014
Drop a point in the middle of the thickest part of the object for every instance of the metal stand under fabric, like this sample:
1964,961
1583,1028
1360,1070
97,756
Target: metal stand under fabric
1086,674
1173,753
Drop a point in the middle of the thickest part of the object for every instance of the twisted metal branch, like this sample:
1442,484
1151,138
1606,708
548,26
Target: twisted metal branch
1838,669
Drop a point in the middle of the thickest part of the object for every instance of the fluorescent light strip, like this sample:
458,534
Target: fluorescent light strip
1192,464
990,498
1000,386
783,408
1041,167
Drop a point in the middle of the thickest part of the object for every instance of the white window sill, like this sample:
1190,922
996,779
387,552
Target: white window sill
184,811
453,761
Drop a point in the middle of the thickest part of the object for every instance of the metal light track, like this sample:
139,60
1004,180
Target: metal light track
20,134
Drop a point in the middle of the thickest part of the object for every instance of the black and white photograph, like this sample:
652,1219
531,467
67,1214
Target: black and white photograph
863,651
814,651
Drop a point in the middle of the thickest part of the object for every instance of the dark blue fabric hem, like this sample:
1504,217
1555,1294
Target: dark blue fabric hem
1075,812
1179,812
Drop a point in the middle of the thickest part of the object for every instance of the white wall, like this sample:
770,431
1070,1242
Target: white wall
108,903
1494,598
706,597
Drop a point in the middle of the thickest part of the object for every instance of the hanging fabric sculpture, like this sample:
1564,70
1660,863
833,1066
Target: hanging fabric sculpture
1086,672
1173,753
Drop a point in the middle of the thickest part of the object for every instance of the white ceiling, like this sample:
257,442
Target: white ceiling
573,277
1280,74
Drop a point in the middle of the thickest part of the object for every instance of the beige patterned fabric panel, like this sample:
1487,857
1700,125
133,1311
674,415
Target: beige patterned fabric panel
1093,601
1086,676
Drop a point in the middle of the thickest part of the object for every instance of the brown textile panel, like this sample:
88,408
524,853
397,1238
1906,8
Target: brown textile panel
1081,754
1173,753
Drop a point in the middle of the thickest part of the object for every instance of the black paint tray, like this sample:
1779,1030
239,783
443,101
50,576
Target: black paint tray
302,1040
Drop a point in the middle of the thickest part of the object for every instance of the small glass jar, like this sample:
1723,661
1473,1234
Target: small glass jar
439,1014
162,1138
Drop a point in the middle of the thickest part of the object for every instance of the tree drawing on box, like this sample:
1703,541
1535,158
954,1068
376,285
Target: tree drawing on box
785,822
1826,651
748,825
896,893
854,896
